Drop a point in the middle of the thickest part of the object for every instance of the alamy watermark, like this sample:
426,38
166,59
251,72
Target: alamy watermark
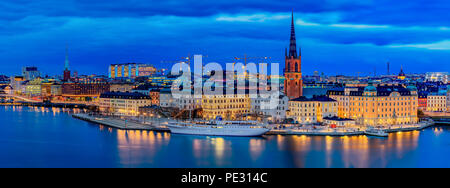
237,80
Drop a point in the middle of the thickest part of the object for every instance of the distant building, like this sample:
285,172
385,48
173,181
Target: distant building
155,95
448,98
130,70
437,77
6,89
67,75
34,88
437,102
121,87
17,84
126,104
166,99
265,107
84,89
401,75
312,110
30,73
423,99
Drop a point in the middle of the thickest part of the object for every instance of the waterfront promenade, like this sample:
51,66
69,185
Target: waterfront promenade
158,125
121,123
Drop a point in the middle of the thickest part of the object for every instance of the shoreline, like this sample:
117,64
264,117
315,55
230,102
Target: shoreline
119,124
128,125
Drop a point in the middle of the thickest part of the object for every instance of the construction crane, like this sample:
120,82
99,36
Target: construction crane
182,60
246,58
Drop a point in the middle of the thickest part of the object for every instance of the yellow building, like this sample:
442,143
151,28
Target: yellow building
306,111
378,106
229,107
125,104
437,102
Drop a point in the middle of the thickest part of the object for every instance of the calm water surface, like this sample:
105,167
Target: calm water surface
39,137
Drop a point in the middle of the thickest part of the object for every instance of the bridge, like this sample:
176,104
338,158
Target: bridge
23,101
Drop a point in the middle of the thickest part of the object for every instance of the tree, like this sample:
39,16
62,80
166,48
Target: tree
420,114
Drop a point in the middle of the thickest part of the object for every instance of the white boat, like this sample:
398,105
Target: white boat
219,128
376,132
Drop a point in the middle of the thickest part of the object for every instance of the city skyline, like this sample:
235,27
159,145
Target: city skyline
363,36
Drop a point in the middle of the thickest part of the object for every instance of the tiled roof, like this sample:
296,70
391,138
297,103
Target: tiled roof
124,95
315,98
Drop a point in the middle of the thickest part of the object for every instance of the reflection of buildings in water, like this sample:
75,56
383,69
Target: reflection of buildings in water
403,142
131,142
257,146
355,151
438,131
299,148
347,151
281,142
329,150
211,146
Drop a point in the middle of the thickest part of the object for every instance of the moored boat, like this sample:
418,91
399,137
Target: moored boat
376,132
219,128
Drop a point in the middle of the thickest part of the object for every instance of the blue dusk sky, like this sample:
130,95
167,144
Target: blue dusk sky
337,36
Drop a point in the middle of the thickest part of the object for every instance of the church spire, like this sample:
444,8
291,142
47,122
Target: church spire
293,41
66,63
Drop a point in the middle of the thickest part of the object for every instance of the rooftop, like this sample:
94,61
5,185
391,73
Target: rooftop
124,95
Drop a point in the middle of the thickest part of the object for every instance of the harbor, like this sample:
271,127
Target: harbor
121,123
159,125
86,144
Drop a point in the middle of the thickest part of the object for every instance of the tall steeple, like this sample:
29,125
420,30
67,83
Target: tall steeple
293,44
66,63
293,84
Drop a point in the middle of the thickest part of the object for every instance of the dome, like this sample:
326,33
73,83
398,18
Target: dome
370,88
411,88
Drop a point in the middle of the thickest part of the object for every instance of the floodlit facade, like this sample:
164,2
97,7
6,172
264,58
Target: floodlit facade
437,77
437,102
378,106
229,107
126,104
275,110
130,70
312,110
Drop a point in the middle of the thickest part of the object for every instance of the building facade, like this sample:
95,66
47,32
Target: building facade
274,109
84,89
228,107
437,102
312,110
126,104
378,106
131,70
437,77
30,73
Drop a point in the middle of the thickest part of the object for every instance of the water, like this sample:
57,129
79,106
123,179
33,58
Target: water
39,137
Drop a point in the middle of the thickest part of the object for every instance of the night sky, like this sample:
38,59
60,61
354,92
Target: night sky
337,36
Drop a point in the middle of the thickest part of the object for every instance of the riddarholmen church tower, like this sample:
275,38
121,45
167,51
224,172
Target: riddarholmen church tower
293,84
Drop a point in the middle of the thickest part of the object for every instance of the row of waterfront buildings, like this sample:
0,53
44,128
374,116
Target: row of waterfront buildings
135,89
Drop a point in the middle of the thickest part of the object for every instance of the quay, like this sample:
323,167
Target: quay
348,131
51,105
315,133
120,124
153,126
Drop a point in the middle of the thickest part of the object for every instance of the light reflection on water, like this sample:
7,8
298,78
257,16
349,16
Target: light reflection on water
75,143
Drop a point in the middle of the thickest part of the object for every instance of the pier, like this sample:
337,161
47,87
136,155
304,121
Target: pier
120,123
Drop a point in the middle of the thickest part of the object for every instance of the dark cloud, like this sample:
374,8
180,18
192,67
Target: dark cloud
101,32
